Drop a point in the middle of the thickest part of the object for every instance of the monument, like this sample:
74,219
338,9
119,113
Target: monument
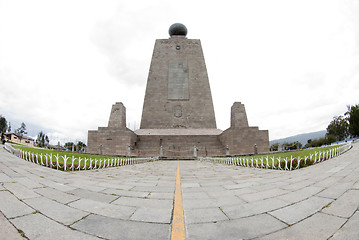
178,117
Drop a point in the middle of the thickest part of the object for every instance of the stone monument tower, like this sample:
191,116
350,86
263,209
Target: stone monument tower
178,118
178,94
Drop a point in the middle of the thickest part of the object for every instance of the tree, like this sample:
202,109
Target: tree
292,145
42,140
21,131
353,119
69,145
3,124
9,127
338,128
328,139
274,147
80,146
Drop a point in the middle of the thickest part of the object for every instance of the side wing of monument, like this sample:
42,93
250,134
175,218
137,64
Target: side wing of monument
116,138
241,139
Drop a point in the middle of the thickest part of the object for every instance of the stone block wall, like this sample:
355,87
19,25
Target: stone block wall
241,141
111,141
114,139
178,93
179,146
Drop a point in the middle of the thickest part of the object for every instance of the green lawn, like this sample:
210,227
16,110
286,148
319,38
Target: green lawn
301,153
60,153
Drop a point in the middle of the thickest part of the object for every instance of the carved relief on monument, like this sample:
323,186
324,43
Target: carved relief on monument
177,111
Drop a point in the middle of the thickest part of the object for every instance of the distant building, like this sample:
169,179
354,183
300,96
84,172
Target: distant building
12,137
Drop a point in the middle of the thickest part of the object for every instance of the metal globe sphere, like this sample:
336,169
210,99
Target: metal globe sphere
177,29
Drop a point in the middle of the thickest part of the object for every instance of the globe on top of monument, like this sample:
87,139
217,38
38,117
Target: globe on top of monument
177,29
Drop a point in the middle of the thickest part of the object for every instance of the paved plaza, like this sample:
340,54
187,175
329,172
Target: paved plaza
219,201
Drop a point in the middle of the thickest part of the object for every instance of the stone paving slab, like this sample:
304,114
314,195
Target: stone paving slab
195,195
154,189
100,197
350,229
199,203
125,193
8,230
329,181
20,191
28,183
300,194
345,205
189,185
110,228
55,185
144,202
152,215
5,178
9,172
298,211
244,228
263,195
59,196
104,209
86,185
335,190
157,195
318,226
56,211
12,207
356,185
37,226
204,215
249,209
229,201
115,185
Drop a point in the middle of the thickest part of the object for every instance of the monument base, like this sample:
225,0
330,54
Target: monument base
239,139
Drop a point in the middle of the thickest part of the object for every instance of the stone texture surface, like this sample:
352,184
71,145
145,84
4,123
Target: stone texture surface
349,230
345,205
164,107
244,228
57,211
153,215
318,226
203,215
37,226
11,207
301,210
220,201
103,209
8,230
110,228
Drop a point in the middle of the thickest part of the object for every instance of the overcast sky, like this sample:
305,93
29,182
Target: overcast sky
294,64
